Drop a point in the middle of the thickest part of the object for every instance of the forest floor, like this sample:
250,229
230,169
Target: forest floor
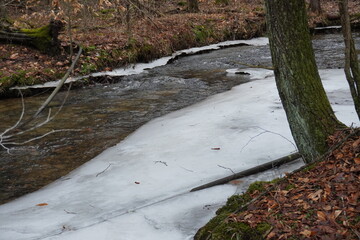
318,201
108,44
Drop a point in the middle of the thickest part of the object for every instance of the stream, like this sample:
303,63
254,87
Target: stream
104,114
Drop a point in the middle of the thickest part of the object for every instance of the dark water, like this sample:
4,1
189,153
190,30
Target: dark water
103,115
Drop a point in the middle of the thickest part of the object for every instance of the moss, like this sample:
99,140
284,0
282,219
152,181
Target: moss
203,33
88,68
221,227
309,167
289,187
19,78
107,11
182,3
41,37
222,2
233,203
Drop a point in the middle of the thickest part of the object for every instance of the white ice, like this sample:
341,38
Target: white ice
139,189
141,67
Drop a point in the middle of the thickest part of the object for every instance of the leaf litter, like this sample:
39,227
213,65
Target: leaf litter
319,202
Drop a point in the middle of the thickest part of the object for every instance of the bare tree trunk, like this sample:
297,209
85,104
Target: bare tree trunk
352,69
315,6
307,107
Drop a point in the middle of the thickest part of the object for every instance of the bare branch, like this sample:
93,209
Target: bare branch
42,136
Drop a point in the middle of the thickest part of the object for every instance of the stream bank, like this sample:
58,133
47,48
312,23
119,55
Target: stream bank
107,48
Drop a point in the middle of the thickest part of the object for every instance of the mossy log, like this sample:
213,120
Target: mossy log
44,38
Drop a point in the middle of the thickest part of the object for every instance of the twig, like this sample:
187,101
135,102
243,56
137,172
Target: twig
267,131
44,135
227,168
161,162
104,170
48,119
69,212
56,90
19,120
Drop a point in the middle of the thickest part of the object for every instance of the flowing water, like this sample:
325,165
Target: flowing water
102,115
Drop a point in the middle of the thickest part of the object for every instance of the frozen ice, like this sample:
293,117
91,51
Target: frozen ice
140,187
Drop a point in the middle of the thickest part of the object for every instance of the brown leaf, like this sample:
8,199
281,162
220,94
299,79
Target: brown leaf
307,233
337,213
271,235
356,143
42,204
357,160
316,195
327,208
321,216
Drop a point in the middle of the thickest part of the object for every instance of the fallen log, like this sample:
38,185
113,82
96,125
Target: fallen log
251,171
44,38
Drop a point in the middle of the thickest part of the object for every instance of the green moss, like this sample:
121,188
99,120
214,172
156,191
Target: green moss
88,68
17,79
41,37
107,11
182,3
88,49
222,2
234,203
309,167
203,33
221,227
289,187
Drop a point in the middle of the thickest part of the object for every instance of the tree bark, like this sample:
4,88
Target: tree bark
308,110
193,6
352,69
315,6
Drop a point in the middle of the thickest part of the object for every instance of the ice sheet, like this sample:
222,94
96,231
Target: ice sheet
139,188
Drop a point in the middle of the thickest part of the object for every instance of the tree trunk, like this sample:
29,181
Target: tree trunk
45,38
193,6
352,69
315,6
308,110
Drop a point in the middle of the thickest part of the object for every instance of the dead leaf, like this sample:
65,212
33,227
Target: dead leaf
337,213
356,143
307,233
271,235
327,208
357,160
236,182
42,204
316,195
321,216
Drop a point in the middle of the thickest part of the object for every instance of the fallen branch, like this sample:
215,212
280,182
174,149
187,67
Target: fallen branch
56,90
251,171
